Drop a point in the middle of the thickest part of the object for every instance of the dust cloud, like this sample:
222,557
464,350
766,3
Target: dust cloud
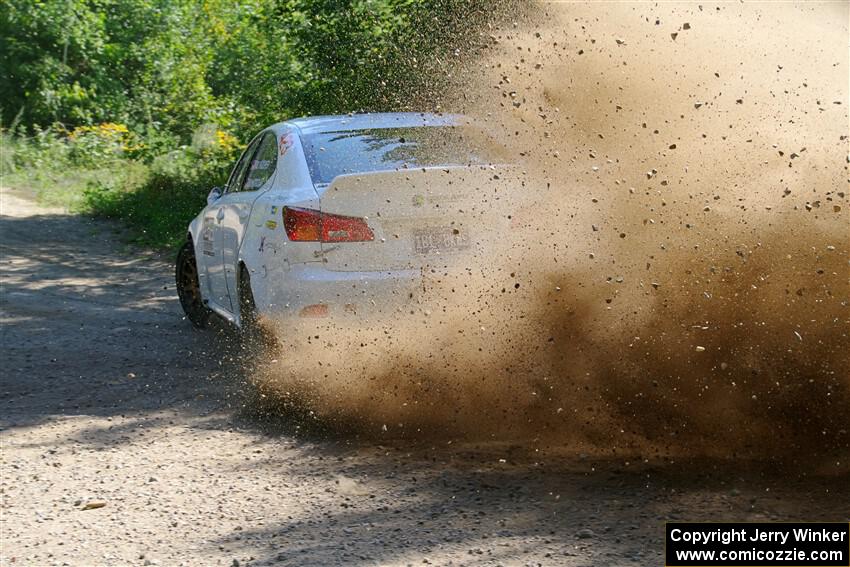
675,277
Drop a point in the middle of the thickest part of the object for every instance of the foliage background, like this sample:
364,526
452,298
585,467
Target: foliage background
135,108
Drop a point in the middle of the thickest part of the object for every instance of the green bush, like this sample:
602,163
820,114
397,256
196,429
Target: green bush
57,167
157,210
159,205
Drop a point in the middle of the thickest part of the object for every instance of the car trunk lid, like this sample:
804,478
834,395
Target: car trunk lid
424,217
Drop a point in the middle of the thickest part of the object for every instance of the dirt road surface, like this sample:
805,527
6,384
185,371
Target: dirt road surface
108,397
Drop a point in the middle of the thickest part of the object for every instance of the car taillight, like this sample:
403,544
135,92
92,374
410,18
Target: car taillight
308,225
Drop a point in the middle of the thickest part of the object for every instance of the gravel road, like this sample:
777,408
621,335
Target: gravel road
126,441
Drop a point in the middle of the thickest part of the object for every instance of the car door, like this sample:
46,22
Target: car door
236,206
212,239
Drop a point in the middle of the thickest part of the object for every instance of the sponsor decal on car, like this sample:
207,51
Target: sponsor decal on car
285,143
207,242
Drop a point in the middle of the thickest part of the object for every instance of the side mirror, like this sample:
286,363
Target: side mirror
214,195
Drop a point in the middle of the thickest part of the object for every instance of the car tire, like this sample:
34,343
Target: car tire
189,287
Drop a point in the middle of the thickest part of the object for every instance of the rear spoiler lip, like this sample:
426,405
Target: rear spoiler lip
321,187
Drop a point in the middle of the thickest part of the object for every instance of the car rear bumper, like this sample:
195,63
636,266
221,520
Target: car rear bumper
310,290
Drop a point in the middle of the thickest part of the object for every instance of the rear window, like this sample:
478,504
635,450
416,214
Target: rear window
330,154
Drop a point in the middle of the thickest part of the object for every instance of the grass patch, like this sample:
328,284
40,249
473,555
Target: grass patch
157,211
93,173
66,188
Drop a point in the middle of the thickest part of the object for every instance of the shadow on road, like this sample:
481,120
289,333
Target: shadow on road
87,330
402,507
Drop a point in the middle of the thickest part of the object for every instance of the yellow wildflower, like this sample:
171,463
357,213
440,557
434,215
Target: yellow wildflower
225,141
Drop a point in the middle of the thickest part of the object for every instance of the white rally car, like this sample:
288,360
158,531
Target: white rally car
337,216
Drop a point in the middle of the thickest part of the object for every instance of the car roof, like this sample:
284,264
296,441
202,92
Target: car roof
344,122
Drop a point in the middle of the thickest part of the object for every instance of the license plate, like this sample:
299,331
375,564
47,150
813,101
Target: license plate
443,239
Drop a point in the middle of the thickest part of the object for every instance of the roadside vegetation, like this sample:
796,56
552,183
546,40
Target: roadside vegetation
104,170
134,109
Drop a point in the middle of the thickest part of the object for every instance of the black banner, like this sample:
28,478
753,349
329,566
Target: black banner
765,544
